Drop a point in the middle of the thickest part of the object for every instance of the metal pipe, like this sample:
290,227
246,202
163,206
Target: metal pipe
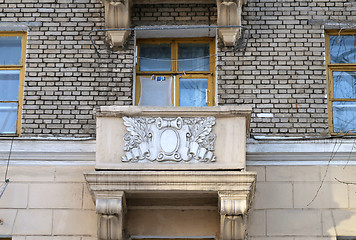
155,28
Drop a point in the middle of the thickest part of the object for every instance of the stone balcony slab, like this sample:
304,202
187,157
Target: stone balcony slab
180,138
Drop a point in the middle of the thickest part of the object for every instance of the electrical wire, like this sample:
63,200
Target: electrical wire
8,160
333,154
177,60
6,180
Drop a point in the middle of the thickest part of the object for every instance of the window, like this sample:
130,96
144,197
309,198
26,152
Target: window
341,75
175,72
12,74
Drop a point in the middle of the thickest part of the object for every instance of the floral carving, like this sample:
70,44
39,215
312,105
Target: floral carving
137,132
169,139
200,130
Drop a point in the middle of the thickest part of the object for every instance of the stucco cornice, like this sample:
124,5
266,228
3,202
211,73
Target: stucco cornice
235,190
194,181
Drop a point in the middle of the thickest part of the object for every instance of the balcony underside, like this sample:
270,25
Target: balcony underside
122,195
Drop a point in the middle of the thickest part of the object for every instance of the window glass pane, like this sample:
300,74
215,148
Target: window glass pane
193,92
193,57
344,115
9,85
10,50
8,117
343,48
156,92
344,84
155,57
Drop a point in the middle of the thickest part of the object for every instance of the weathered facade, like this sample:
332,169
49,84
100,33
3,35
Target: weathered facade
275,160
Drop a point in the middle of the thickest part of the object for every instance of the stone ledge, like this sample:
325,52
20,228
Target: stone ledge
217,111
192,181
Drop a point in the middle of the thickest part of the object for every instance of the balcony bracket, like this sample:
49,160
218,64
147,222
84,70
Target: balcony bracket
234,189
117,15
229,13
233,215
110,209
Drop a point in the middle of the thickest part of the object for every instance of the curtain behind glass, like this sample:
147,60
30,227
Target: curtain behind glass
8,117
193,57
155,57
155,93
193,92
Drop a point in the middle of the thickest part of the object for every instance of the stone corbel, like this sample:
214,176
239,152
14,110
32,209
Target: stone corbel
117,15
229,13
110,210
233,218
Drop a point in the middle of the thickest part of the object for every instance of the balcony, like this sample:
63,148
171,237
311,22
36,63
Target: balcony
170,160
171,138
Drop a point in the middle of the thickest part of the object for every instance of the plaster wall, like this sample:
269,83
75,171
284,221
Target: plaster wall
47,202
53,202
50,200
303,202
173,222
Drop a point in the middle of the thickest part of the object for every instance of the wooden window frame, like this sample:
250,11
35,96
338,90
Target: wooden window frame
20,67
174,67
334,67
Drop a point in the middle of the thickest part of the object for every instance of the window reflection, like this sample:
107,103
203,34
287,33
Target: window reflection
193,57
343,48
155,57
344,84
10,49
344,115
9,85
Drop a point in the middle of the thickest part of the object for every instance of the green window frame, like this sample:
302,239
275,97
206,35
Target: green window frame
340,46
12,77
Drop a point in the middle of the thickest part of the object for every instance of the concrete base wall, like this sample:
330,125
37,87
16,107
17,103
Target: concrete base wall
169,222
47,203
303,202
53,202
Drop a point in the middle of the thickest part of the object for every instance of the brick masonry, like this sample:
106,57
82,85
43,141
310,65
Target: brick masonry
282,72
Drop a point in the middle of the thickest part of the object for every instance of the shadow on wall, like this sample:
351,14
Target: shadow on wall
290,204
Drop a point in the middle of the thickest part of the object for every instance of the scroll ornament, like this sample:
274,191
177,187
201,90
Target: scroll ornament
169,139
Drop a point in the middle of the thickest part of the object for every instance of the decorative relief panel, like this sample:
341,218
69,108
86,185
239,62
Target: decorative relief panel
169,139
